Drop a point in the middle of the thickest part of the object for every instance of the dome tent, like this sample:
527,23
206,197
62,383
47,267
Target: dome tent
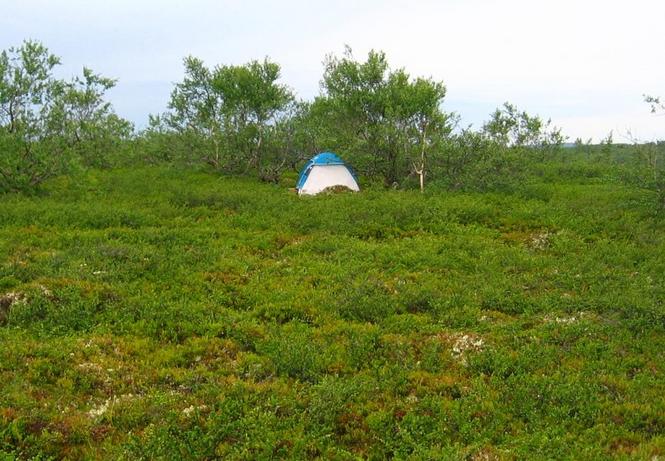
325,170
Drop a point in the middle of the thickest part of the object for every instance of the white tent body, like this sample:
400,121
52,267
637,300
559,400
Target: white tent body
323,176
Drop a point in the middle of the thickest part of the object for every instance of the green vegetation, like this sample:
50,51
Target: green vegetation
241,120
231,117
489,295
50,126
162,313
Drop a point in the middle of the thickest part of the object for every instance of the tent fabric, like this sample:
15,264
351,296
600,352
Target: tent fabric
325,170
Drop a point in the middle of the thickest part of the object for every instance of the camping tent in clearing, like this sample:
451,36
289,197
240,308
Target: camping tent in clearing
325,170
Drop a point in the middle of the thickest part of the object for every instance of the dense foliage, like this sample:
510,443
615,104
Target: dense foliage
157,313
158,302
48,125
390,126
240,119
382,120
231,117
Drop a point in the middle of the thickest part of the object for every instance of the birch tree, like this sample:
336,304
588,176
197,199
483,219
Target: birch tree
231,111
386,121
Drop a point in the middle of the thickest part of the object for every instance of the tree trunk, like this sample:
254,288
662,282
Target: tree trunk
421,171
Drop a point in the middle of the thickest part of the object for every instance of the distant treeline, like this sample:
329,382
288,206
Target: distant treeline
242,120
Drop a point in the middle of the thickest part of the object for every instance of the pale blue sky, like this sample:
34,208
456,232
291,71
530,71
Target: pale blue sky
585,64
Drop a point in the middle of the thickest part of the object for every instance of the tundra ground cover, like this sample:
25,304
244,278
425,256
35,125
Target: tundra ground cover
158,313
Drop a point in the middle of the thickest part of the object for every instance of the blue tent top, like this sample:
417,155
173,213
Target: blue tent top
322,159
326,158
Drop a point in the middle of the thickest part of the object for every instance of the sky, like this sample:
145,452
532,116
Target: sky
586,64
